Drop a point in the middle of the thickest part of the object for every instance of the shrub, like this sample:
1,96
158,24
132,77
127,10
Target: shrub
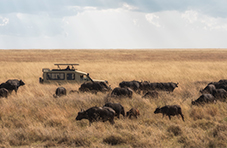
77,141
197,114
212,111
220,132
175,129
114,139
203,124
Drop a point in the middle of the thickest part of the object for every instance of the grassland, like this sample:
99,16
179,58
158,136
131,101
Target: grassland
33,118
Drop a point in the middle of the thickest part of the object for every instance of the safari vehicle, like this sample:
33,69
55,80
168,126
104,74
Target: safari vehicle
66,75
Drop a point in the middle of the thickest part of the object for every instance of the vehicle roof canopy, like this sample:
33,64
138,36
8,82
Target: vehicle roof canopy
72,65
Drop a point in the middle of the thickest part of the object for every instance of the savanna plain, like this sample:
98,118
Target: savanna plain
34,118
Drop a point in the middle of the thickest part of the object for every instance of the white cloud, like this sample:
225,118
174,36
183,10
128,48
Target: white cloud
205,22
153,19
128,7
210,23
3,21
190,16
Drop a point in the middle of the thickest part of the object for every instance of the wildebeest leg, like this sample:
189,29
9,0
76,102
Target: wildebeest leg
111,120
10,91
118,116
182,116
169,117
90,122
130,116
16,88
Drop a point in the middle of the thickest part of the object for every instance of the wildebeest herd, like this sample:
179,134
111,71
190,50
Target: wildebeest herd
213,92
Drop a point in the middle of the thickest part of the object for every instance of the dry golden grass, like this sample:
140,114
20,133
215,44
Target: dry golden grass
34,118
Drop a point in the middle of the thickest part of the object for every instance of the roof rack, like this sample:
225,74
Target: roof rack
66,64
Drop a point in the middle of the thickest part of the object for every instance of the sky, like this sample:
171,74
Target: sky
113,24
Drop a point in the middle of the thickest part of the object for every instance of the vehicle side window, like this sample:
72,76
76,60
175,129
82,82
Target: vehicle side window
81,77
55,76
70,76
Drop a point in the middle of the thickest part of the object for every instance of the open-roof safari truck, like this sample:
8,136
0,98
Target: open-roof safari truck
66,75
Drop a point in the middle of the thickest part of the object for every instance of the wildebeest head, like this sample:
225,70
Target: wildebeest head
193,102
21,82
158,110
175,84
81,115
104,85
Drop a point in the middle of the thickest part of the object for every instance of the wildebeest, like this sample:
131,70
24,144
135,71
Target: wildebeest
94,87
117,107
97,114
133,112
219,94
122,92
12,84
208,89
220,84
151,94
60,91
170,110
4,92
204,98
168,86
134,85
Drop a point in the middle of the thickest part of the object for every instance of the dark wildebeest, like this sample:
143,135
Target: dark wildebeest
223,81
117,107
169,86
208,89
94,87
204,98
219,94
60,91
11,85
170,110
151,94
97,114
134,85
145,86
133,112
122,92
220,84
4,92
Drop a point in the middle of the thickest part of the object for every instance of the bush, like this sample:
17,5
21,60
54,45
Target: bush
197,114
204,124
175,129
114,140
220,132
